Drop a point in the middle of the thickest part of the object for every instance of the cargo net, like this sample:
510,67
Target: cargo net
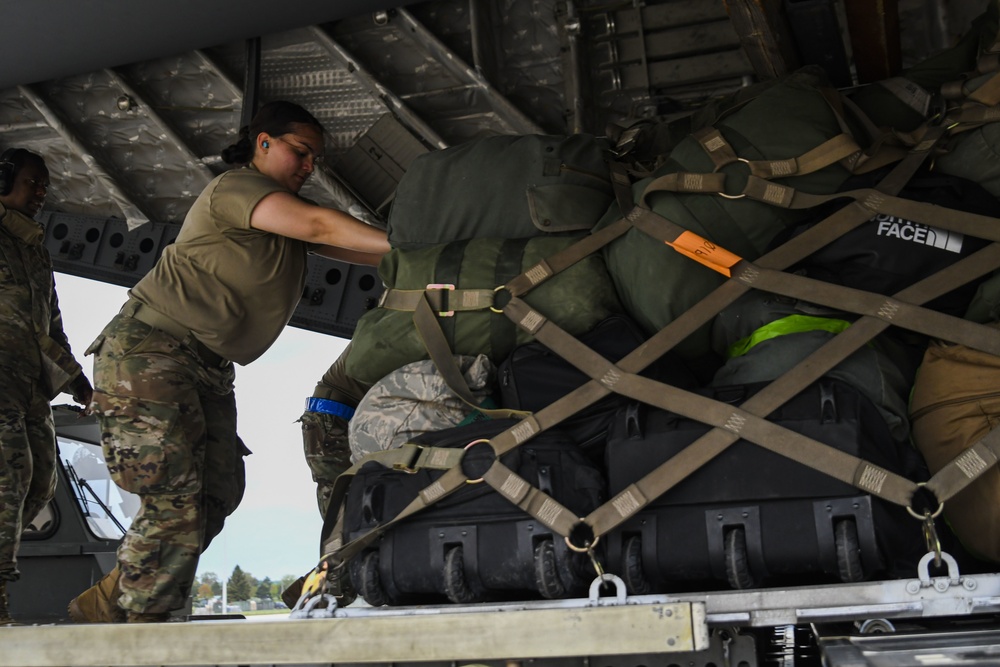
619,535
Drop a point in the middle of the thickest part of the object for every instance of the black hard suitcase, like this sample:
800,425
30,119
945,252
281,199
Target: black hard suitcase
751,517
533,377
473,545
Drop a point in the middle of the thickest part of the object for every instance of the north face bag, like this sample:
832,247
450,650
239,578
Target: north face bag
889,253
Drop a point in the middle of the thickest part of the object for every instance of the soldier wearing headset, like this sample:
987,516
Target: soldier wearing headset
36,362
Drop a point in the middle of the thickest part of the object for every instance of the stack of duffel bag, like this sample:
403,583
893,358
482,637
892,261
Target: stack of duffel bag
464,221
753,430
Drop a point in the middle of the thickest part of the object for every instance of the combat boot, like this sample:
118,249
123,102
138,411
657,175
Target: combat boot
5,618
99,603
142,617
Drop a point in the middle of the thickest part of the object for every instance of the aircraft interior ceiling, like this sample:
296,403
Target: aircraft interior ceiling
130,104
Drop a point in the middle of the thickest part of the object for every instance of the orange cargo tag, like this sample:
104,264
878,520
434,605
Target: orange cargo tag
705,252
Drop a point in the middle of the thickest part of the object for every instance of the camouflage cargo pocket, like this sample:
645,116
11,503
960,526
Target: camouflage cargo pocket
324,439
145,445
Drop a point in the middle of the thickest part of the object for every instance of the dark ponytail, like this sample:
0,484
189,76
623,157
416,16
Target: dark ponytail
274,118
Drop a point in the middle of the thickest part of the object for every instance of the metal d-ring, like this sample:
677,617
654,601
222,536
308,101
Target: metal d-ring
742,194
495,290
926,515
582,550
468,446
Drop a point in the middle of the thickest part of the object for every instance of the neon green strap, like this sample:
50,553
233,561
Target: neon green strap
786,325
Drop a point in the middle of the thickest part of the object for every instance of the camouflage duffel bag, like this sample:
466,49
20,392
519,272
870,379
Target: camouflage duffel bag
386,338
415,399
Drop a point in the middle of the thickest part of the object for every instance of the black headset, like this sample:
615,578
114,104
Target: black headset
7,171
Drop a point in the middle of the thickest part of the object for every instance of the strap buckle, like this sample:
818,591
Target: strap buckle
446,287
410,468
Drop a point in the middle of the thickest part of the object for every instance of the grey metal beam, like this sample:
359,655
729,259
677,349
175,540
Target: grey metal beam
134,216
507,112
377,90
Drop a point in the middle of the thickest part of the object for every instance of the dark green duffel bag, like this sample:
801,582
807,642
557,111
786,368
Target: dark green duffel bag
657,284
386,339
506,186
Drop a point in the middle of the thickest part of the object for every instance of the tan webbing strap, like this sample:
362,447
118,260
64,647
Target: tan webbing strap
443,299
794,250
892,311
833,462
837,149
851,470
839,223
926,213
686,182
536,503
988,93
715,146
448,483
966,467
440,352
972,117
409,457
567,257
944,484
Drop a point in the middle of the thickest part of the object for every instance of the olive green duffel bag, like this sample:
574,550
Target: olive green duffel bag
504,186
461,278
786,120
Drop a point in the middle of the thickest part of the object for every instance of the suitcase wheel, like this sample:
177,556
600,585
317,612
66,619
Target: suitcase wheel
845,534
550,584
632,571
367,581
737,565
456,586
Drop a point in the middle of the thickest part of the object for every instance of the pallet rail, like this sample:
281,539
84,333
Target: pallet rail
541,632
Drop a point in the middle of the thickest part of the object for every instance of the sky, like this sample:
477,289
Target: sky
275,531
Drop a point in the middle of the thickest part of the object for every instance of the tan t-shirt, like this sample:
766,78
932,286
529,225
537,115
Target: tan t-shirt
233,286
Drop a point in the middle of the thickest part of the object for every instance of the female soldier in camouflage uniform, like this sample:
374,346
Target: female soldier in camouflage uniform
163,367
35,359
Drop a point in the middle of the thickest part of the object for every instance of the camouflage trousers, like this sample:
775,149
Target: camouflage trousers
168,430
324,439
27,462
324,435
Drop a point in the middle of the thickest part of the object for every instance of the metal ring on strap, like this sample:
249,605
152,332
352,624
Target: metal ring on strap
467,447
495,290
582,550
742,194
925,515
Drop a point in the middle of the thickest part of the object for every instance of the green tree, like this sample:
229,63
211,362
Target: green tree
204,592
216,587
264,589
238,586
